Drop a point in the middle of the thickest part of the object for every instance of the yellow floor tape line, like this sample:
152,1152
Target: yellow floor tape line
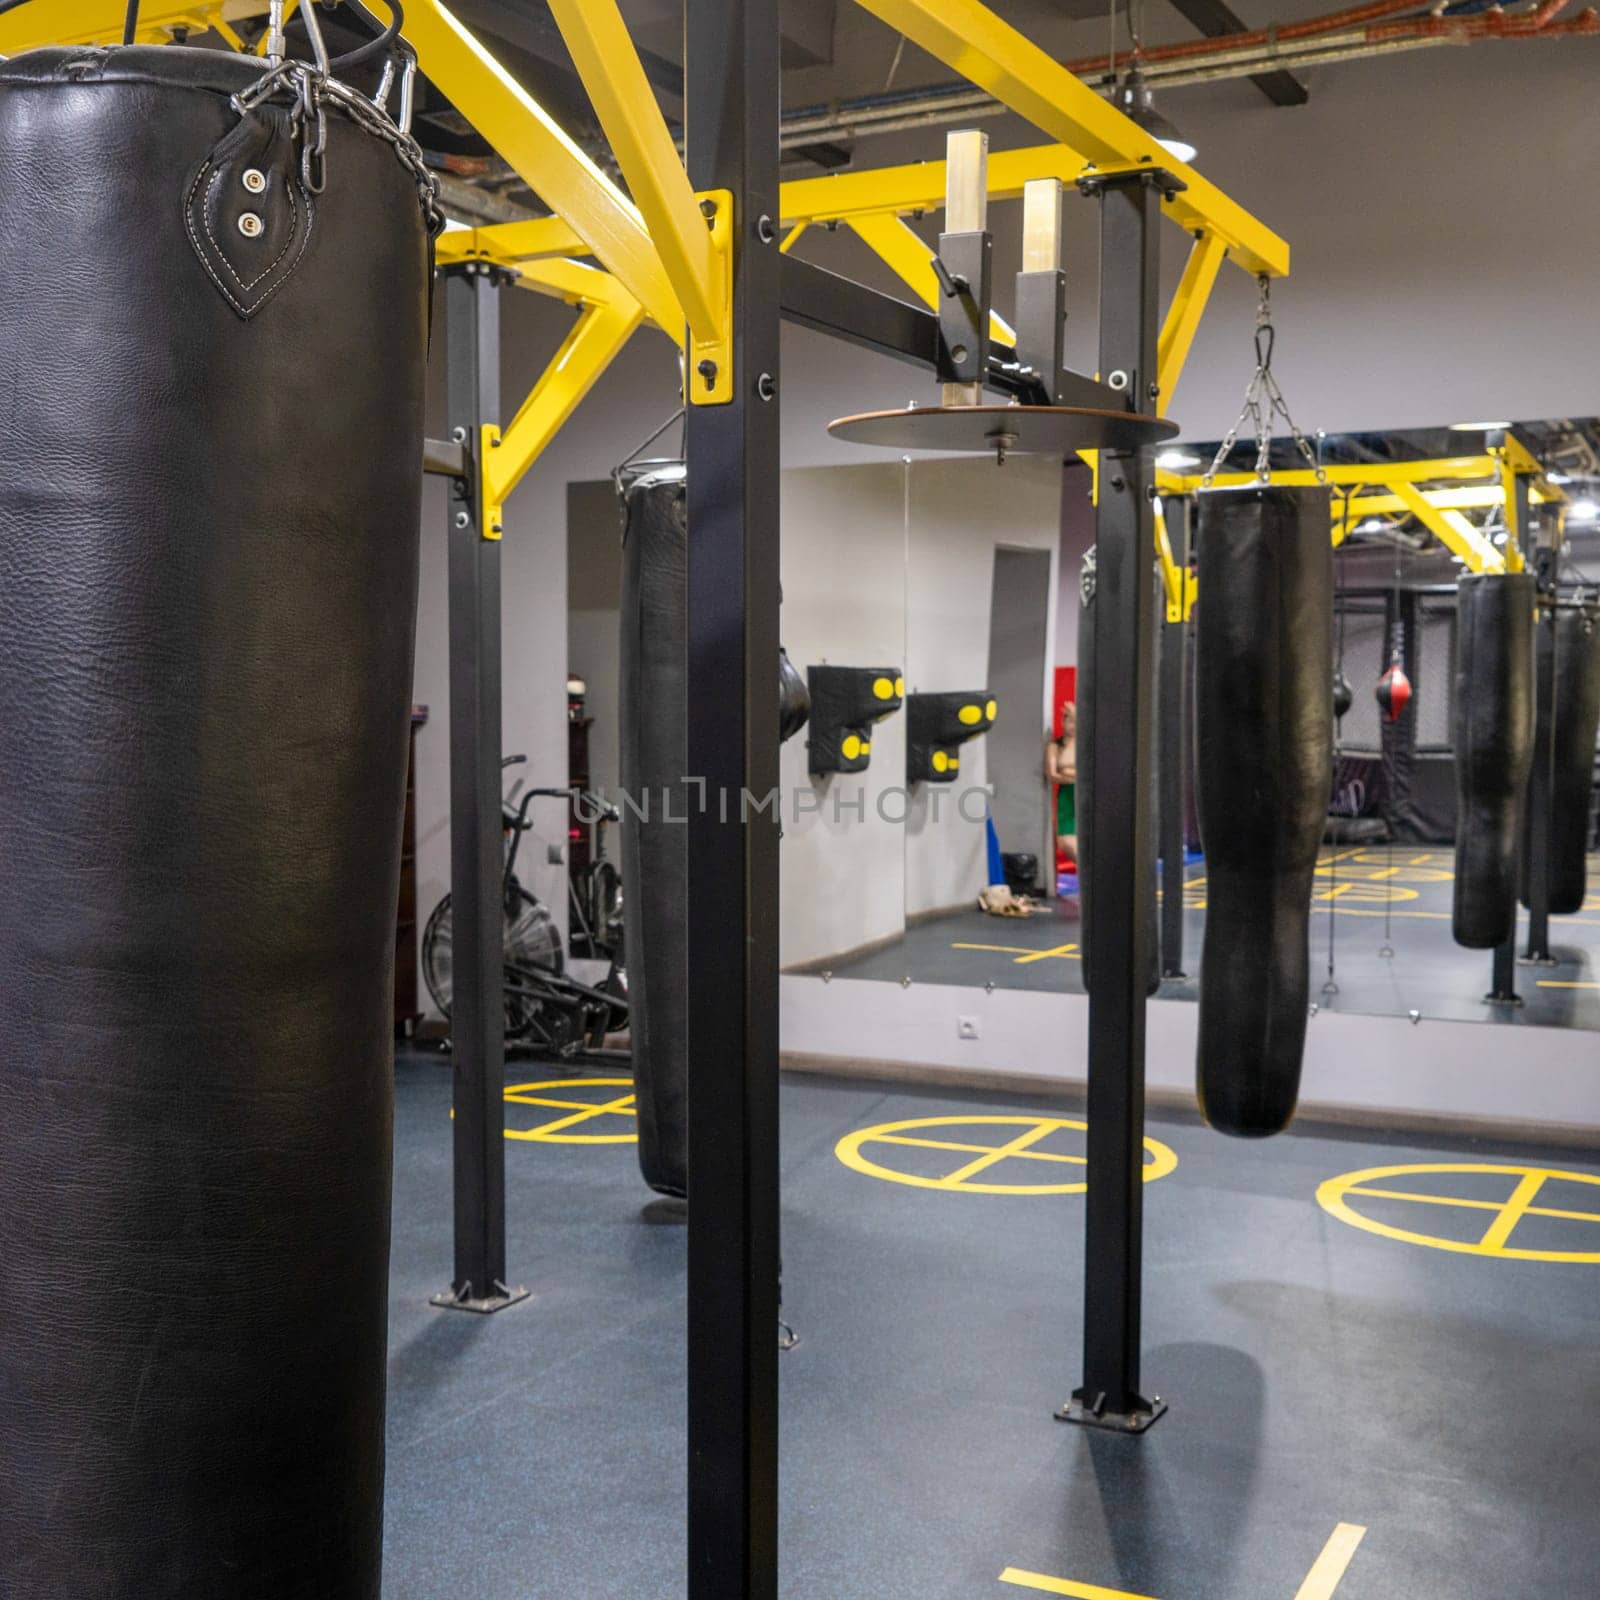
1332,1564
1079,1591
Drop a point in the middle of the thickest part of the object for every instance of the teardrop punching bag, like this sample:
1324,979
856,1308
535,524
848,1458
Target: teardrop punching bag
1492,732
1264,768
208,524
655,841
1568,659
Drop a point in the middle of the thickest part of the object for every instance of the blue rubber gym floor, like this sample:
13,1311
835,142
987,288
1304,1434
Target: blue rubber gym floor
1385,911
1389,1393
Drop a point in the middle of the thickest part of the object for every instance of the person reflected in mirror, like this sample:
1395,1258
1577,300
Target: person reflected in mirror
1061,768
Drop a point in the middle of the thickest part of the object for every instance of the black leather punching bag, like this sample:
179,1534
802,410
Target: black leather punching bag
1574,667
1492,731
1084,691
1264,772
655,849
212,436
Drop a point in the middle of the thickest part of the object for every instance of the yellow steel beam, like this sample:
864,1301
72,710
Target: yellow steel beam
602,329
1366,475
509,244
986,50
542,155
48,22
699,271
1453,531
900,245
1206,256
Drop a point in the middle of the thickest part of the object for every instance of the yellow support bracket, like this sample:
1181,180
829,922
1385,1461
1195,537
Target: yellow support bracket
1178,581
986,50
525,134
1206,256
898,244
56,22
697,257
603,327
1452,530
509,244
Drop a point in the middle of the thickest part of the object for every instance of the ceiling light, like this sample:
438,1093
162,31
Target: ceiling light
1583,511
1479,427
1137,102
1371,525
1177,460
1558,478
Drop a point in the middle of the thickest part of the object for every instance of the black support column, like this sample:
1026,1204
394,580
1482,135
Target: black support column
1120,833
1541,780
731,113
1173,767
477,1002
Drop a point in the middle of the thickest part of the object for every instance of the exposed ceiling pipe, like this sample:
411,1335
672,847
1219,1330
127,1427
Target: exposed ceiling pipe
1355,33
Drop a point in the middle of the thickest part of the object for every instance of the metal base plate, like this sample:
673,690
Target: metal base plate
1144,1414
483,1305
1003,430
1503,1000
1537,961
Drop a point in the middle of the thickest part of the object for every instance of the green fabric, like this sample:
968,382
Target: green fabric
1067,808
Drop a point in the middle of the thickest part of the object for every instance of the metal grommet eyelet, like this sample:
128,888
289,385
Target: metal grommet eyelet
254,180
251,226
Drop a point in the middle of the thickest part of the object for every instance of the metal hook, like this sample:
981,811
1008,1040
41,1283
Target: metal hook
408,91
319,46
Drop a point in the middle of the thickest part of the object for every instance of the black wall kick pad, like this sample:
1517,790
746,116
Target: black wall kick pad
846,704
939,724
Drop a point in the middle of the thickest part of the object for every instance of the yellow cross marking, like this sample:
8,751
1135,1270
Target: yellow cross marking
1022,1131
977,1149
1324,1577
1026,953
559,1131
1334,1197
1558,983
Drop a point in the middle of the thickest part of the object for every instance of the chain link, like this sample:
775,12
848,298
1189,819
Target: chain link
1263,401
311,90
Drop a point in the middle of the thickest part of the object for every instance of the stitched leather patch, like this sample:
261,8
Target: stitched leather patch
249,217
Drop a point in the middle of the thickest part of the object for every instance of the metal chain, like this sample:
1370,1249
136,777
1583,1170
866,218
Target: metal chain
1263,401
311,89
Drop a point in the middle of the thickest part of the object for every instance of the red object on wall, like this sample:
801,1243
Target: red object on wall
1066,688
1393,691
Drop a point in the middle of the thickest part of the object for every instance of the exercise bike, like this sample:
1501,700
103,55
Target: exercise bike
547,1011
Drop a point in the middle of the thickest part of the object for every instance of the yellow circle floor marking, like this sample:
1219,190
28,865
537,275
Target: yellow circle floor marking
982,1156
1526,1185
559,1130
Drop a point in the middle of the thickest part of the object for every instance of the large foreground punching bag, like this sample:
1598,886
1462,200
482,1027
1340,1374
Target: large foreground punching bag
1492,731
1263,775
211,434
1569,652
655,848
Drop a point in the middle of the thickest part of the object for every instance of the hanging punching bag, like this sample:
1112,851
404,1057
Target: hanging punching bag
1569,652
1264,769
655,840
208,524
1492,731
1087,611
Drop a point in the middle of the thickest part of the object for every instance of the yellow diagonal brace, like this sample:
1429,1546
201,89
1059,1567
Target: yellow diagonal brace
903,248
1452,530
971,40
611,71
541,154
589,348
1206,256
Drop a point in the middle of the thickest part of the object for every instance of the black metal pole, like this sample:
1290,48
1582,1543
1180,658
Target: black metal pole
1541,781
1172,768
732,98
1119,836
477,1001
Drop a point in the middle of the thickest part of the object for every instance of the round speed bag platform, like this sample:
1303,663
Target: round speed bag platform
208,537
1263,774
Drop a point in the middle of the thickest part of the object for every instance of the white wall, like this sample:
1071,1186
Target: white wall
844,605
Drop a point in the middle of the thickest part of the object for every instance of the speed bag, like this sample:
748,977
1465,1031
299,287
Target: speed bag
1569,652
1088,611
1492,731
208,524
1263,775
654,725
